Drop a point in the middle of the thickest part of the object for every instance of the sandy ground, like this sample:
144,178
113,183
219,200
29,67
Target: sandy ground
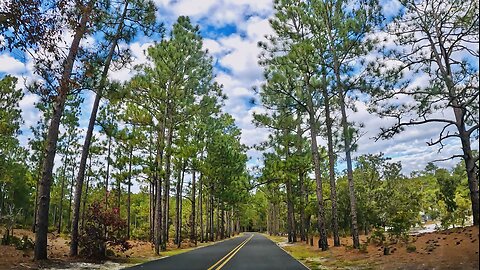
450,249
58,248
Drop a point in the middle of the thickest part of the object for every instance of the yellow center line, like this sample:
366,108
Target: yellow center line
229,253
233,254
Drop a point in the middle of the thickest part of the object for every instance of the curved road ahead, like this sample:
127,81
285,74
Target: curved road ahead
251,251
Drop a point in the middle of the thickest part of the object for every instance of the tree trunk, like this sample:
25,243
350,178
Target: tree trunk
181,208
62,194
290,213
472,171
178,198
217,228
351,187
88,137
303,236
193,233
85,197
222,222
301,178
107,176
200,204
207,218
166,191
40,252
119,193
129,191
34,225
322,242
152,211
158,215
331,167
70,198
158,190
211,214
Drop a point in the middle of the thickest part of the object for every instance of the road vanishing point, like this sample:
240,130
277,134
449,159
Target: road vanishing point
251,251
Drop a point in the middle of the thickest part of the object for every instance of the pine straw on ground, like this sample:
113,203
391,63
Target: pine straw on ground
450,249
58,250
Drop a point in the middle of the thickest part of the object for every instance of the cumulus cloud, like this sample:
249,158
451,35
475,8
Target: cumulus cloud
232,29
10,65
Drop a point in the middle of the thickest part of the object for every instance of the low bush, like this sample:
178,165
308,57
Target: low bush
377,237
103,227
411,248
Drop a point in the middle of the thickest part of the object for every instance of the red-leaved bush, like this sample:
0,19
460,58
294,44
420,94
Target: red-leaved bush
103,227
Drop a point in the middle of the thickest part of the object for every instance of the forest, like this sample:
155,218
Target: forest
157,157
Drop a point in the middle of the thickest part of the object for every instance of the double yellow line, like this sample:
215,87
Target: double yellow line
230,255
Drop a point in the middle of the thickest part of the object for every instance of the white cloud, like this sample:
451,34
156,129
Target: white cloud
193,7
139,56
11,65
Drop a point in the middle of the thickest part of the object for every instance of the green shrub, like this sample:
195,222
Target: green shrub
364,248
377,237
411,248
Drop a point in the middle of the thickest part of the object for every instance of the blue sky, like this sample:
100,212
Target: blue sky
231,30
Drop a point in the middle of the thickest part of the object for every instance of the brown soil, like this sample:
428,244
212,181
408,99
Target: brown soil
58,249
450,249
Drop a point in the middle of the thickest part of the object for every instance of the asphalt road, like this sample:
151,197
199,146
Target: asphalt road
251,251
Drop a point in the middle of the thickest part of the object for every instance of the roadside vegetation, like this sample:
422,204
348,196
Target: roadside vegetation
153,166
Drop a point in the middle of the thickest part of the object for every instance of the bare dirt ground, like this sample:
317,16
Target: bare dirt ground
58,249
450,249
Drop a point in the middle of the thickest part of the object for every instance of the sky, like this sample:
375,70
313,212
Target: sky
231,31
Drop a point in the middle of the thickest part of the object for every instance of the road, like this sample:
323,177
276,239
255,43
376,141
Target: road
251,251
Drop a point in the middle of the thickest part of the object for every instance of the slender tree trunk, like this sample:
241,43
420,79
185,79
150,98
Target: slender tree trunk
193,233
351,187
472,171
290,213
301,177
181,208
217,228
158,215
62,194
152,211
331,167
40,252
178,198
130,156
158,190
71,195
85,197
211,214
347,141
207,218
88,137
222,220
107,176
34,225
119,193
166,194
322,242
200,204
307,217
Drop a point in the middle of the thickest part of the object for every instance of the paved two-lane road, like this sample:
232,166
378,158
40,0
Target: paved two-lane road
251,251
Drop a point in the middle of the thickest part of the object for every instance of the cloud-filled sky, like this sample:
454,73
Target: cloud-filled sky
231,31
